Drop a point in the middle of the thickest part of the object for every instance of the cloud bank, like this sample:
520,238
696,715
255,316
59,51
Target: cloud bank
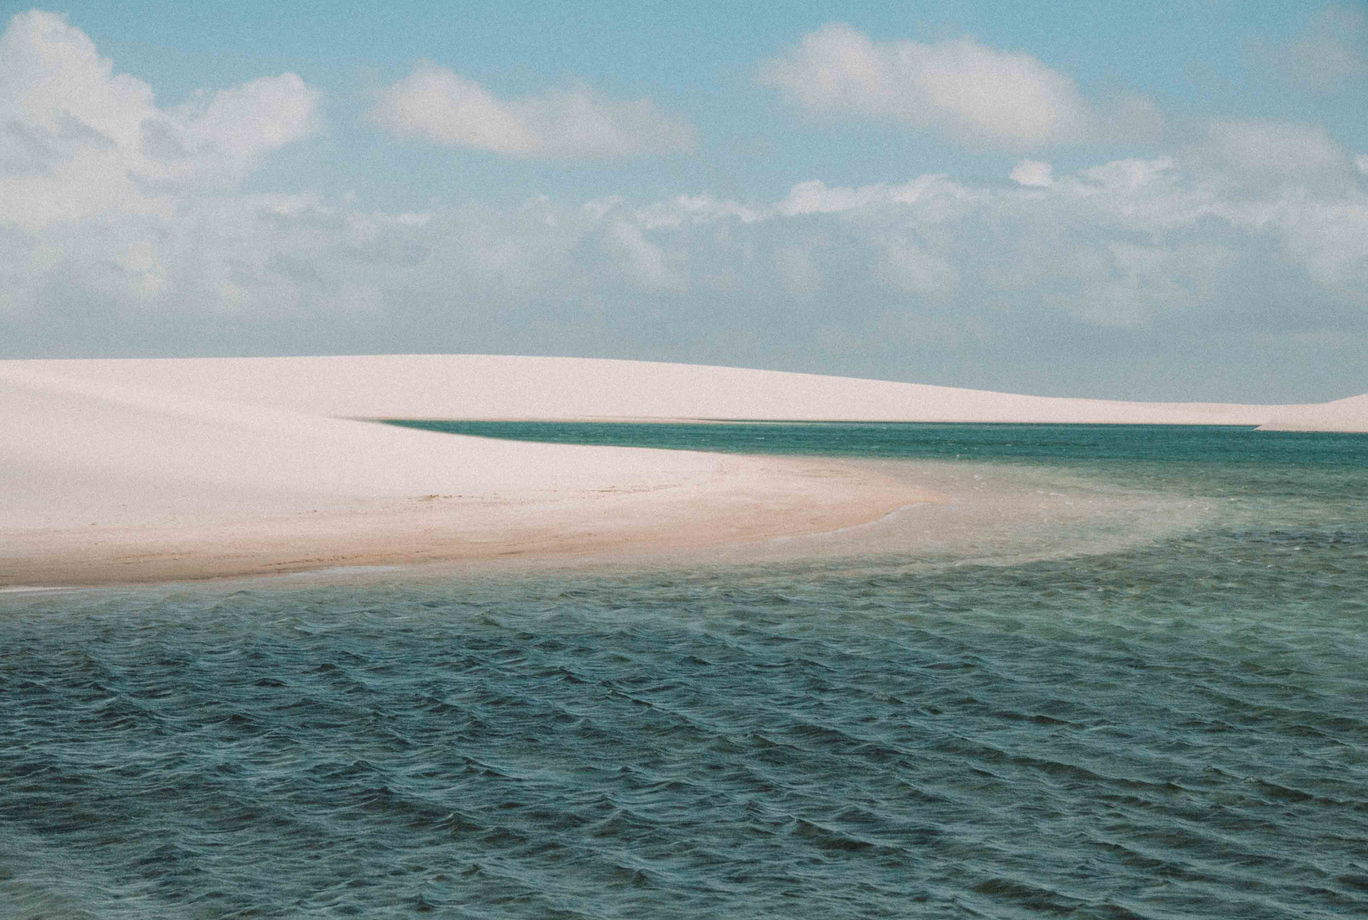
78,140
1101,265
436,104
963,90
125,230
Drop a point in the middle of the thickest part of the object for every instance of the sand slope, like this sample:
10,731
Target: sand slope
104,478
485,386
1341,415
90,435
163,469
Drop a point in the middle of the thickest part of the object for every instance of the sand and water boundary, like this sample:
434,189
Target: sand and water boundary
125,471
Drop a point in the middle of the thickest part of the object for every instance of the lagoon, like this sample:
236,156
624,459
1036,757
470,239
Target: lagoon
1138,691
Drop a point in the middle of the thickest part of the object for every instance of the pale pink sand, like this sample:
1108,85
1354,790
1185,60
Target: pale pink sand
495,386
1341,415
181,468
103,480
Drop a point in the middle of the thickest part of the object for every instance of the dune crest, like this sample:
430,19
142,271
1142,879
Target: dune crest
502,386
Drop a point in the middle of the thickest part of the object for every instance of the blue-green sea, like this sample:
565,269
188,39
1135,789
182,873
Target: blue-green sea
1133,685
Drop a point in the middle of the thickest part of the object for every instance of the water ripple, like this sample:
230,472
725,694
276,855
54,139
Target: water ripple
987,741
1171,729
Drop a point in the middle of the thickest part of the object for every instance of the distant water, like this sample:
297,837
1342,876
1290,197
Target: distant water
1173,726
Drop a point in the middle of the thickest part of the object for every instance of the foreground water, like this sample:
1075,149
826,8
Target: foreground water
1174,725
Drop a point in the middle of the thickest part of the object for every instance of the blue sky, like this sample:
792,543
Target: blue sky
1136,200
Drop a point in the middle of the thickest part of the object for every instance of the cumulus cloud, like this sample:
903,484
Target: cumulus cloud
873,280
1130,255
962,89
242,122
440,106
122,232
78,139
52,76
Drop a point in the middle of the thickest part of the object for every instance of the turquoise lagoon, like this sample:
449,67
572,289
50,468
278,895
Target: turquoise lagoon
1136,686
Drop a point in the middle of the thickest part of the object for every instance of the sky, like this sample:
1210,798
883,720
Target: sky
1141,200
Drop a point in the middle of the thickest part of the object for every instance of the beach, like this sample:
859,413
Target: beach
121,471
1107,671
368,550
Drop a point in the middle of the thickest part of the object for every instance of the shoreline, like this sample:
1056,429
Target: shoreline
755,501
138,471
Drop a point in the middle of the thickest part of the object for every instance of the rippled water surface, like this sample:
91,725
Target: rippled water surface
1175,728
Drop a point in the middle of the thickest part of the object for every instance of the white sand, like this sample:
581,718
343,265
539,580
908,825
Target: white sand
1341,415
165,469
486,386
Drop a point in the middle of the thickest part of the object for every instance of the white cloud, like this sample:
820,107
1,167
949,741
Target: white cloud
815,197
697,209
967,91
79,140
1120,245
1157,252
1128,175
51,77
245,121
122,232
435,104
1032,173
1264,156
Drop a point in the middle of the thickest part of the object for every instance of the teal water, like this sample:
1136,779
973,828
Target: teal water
1012,443
1167,726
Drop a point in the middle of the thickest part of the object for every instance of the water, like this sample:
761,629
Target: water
1049,724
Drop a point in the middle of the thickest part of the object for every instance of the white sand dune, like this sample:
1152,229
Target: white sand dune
495,386
1341,415
163,469
106,479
